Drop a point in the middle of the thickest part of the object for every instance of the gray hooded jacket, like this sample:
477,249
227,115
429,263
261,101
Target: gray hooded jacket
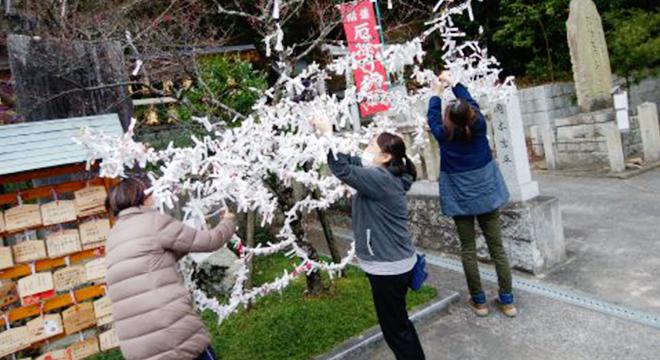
379,211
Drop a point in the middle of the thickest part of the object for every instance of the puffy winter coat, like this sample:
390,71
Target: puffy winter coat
153,312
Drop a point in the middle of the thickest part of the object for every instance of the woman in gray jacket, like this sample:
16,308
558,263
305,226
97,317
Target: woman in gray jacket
382,177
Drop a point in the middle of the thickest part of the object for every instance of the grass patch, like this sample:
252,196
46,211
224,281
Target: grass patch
291,325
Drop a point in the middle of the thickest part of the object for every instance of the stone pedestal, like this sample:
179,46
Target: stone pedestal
532,230
589,141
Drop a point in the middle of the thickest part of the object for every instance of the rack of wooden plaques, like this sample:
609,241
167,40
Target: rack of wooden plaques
52,276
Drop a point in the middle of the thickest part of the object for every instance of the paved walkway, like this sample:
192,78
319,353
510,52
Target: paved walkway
613,239
612,229
545,329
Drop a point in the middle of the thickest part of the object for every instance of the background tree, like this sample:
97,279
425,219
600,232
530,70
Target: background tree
634,43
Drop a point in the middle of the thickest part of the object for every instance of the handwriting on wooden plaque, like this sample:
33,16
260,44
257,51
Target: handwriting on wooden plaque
94,231
96,269
90,200
8,293
54,355
2,222
69,277
29,250
58,212
83,349
22,217
45,327
103,311
6,258
13,340
109,340
36,287
63,243
78,317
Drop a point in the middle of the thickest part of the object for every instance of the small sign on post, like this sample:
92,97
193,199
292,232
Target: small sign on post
621,108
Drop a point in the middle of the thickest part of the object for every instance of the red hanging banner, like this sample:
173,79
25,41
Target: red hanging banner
364,43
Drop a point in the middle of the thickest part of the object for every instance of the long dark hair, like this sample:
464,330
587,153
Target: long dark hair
400,163
128,193
458,120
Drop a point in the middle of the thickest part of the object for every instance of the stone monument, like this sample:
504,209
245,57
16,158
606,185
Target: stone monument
591,62
590,140
512,150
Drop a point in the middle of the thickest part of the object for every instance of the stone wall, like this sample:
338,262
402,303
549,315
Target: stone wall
542,104
554,104
632,139
533,233
647,90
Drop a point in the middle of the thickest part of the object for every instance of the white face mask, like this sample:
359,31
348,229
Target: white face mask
368,159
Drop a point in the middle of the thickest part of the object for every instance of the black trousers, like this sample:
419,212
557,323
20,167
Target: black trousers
389,292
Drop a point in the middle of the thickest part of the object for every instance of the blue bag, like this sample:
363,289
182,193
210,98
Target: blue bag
419,273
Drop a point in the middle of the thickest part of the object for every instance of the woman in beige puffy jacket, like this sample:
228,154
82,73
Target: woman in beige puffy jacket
153,312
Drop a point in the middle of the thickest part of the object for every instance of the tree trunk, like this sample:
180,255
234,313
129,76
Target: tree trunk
249,241
329,236
286,200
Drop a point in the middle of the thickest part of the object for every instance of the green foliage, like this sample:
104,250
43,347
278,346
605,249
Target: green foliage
291,325
529,36
227,80
634,43
537,32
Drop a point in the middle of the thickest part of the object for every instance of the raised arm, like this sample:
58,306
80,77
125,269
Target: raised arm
461,92
350,171
175,236
434,116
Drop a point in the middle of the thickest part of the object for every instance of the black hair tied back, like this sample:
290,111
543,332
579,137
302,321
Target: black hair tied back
400,163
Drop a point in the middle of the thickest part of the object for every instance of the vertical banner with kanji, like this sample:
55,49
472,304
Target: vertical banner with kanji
364,43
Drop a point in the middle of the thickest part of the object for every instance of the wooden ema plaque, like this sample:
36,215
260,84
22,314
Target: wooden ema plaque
29,250
54,355
103,311
90,200
83,349
8,294
22,217
13,340
45,327
96,269
2,222
63,243
78,317
6,258
69,277
94,231
58,212
109,340
36,287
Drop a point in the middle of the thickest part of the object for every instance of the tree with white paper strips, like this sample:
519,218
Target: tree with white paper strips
276,143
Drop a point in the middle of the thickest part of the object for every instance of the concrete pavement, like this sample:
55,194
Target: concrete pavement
545,329
612,229
612,232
